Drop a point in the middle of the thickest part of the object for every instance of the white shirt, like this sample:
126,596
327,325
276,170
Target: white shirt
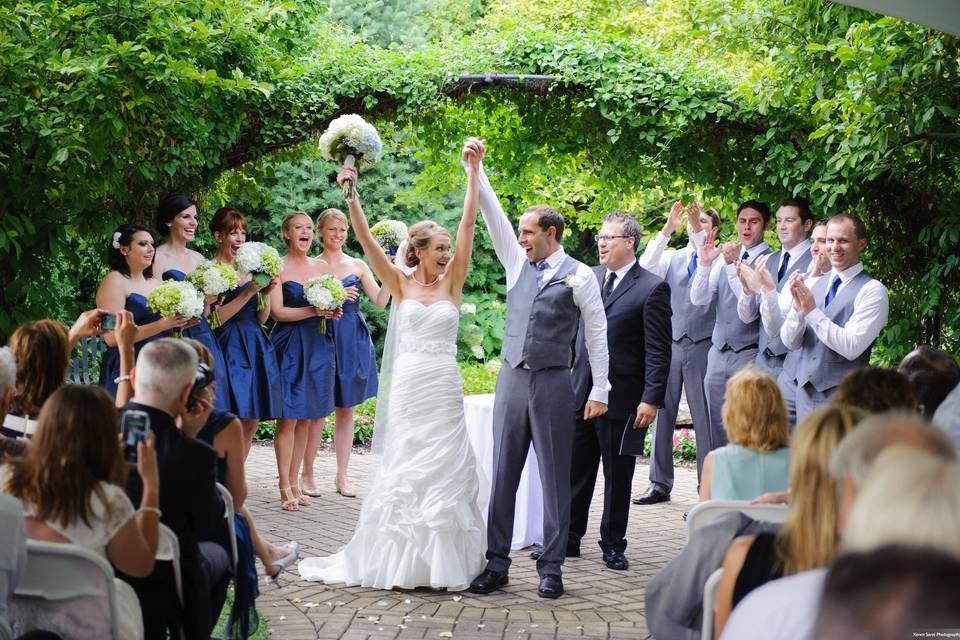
657,261
785,609
586,295
707,279
13,549
621,272
747,306
870,310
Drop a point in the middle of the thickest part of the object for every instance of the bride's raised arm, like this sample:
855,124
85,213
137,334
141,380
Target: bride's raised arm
389,274
471,155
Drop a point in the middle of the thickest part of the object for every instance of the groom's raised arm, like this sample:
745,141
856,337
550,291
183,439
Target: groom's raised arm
587,297
508,250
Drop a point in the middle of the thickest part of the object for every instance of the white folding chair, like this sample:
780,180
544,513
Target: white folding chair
709,604
231,524
6,633
706,512
56,572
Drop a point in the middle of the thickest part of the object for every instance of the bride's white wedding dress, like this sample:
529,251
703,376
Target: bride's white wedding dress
420,524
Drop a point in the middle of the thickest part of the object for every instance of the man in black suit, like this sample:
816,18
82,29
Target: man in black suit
189,501
637,304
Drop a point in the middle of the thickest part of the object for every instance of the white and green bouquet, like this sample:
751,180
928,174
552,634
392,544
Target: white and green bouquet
351,141
175,299
213,278
325,293
262,262
389,234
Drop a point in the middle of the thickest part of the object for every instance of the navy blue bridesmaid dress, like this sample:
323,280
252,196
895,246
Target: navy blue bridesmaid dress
251,362
110,365
203,334
307,360
356,359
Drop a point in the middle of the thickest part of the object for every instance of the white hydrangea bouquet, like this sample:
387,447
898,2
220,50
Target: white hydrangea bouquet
389,234
213,278
175,299
351,141
262,262
325,293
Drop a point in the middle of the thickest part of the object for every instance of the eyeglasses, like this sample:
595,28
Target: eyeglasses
607,238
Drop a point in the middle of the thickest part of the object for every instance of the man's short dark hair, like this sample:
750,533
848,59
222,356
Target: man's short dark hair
547,217
802,205
889,593
756,205
859,229
714,216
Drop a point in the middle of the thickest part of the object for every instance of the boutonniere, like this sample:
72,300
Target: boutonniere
573,281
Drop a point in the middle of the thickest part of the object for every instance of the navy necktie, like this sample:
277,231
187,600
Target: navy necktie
783,266
608,286
833,291
745,256
692,265
541,267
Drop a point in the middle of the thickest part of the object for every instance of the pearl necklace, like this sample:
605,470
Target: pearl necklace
424,284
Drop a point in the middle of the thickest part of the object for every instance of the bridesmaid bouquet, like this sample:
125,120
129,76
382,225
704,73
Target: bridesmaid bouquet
350,140
174,299
262,262
389,234
213,279
325,293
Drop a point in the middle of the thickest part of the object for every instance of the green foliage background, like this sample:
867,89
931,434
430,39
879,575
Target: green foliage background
105,106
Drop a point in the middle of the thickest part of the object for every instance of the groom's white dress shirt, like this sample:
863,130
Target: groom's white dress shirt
586,292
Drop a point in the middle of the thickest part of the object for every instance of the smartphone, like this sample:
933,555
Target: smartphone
108,321
135,425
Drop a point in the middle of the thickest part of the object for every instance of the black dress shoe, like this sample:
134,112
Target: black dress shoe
616,560
569,553
652,496
551,586
488,581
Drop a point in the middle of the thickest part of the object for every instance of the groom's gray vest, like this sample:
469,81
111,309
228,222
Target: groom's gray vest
818,364
541,324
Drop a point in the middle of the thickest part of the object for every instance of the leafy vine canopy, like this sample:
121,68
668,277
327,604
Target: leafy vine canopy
106,105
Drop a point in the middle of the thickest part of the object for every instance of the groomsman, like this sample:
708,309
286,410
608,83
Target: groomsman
637,305
735,343
835,320
692,327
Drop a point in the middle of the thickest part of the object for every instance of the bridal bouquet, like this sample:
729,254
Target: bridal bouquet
262,262
325,293
213,279
350,140
174,299
389,234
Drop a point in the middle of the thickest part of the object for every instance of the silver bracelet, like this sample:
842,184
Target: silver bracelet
151,510
120,379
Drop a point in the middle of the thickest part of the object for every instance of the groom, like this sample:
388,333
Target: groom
547,291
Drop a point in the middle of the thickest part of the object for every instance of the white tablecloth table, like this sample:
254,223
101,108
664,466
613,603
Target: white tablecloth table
528,516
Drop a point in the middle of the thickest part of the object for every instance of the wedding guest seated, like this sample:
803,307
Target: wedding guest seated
876,390
191,505
889,594
757,458
8,380
808,538
69,483
786,608
933,373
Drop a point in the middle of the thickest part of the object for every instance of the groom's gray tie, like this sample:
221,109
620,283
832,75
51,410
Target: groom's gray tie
608,285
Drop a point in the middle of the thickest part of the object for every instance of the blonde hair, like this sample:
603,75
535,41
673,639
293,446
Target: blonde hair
808,538
327,214
288,222
418,239
909,497
754,414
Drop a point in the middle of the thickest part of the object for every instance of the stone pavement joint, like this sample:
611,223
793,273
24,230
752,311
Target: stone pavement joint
599,603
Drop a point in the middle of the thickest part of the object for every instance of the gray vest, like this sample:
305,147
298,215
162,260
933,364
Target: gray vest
541,324
819,365
730,331
774,346
691,320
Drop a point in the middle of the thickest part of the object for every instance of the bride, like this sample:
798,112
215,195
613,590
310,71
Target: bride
420,524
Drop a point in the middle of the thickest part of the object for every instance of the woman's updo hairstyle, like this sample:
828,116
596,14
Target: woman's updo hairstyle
170,207
226,219
288,223
418,239
122,237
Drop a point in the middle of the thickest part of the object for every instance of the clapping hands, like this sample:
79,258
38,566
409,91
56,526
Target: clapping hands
803,300
709,251
756,279
675,218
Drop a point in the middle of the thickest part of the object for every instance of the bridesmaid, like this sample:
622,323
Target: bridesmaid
251,360
356,370
126,286
174,261
307,358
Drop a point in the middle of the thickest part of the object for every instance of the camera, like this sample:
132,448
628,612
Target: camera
108,321
202,379
134,426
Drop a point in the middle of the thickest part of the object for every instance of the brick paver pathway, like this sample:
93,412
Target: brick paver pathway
599,603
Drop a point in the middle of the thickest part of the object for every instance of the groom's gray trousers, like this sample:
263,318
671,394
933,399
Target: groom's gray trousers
532,406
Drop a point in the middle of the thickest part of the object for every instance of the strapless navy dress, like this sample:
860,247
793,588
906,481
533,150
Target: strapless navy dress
307,360
203,334
251,362
356,378
110,365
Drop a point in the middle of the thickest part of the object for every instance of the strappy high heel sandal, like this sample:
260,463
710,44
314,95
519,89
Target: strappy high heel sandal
301,499
345,489
290,503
